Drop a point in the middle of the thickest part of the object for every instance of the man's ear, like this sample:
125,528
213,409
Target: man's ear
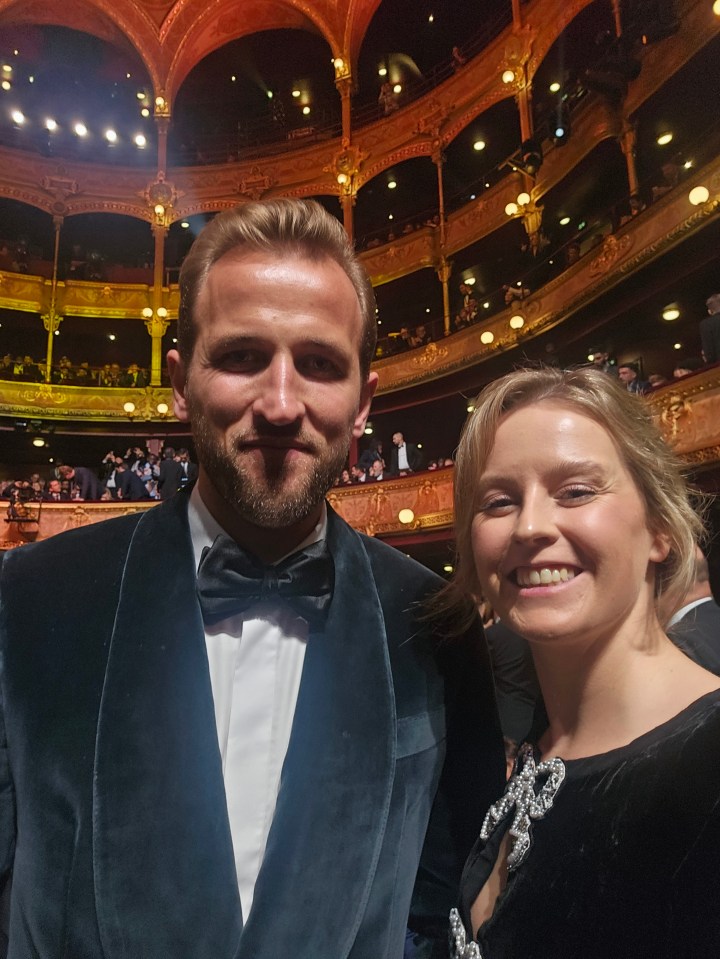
178,379
366,394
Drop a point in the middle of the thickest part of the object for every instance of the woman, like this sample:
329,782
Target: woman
573,520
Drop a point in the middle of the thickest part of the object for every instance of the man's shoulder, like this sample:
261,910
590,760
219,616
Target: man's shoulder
389,563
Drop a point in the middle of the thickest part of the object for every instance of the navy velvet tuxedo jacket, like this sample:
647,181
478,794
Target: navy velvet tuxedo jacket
113,817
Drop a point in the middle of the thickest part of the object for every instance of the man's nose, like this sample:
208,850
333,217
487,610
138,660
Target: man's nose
280,397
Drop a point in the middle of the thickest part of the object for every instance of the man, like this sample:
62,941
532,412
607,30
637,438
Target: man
170,478
82,480
710,330
695,625
188,470
54,493
628,374
129,485
153,819
404,457
375,473
133,378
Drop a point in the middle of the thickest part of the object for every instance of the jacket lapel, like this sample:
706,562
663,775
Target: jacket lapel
164,869
337,779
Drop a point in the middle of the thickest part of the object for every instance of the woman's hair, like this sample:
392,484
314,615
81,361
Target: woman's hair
655,469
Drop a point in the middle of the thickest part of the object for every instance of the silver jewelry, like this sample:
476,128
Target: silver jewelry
529,805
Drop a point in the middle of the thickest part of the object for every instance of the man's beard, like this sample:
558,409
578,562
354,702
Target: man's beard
280,497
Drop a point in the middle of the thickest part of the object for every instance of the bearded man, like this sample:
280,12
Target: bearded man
228,739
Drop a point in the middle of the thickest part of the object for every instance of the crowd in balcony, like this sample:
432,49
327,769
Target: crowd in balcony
66,373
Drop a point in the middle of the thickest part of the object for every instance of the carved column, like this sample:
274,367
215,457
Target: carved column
444,268
345,167
346,175
162,122
628,143
51,320
156,325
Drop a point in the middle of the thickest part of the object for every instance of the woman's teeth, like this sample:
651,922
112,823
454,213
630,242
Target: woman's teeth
545,576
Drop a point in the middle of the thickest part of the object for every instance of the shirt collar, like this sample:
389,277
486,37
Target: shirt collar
684,610
204,528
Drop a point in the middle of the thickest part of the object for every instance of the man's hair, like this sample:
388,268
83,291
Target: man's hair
282,227
653,466
713,303
65,471
168,453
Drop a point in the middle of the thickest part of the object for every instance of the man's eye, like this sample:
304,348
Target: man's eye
240,359
319,365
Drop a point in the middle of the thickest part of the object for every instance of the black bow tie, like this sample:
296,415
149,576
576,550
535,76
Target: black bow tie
230,580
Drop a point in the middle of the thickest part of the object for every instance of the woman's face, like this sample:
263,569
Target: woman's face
560,538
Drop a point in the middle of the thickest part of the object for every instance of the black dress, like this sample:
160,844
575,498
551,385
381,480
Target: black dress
623,863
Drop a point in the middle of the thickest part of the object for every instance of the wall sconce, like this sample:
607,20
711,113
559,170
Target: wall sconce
406,516
517,322
486,337
129,409
699,195
163,409
508,76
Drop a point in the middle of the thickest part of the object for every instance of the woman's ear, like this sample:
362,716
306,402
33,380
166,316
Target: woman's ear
660,547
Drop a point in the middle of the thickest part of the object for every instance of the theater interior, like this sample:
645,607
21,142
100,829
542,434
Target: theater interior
525,182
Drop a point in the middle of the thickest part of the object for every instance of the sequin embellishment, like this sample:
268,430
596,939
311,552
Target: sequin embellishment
529,805
460,948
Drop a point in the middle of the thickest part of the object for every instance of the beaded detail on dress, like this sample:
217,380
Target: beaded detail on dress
520,793
460,946
529,804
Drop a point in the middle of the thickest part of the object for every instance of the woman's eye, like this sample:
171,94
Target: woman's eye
578,493
496,503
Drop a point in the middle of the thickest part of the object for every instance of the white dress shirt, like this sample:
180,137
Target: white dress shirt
402,457
684,610
256,661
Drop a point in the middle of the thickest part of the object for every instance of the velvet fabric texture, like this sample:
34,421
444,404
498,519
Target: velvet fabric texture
626,863
113,814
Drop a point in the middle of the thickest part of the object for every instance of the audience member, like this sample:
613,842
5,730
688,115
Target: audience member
170,474
695,624
129,484
83,481
629,374
404,457
189,470
687,366
656,380
710,330
55,493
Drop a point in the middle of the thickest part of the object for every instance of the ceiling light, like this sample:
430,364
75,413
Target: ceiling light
486,305
57,332
127,76
80,129
38,441
51,124
581,225
664,139
677,346
470,281
565,220
184,225
159,209
517,322
447,568
479,145
470,408
508,76
382,72
368,430
486,337
270,94
233,78
699,195
397,88
554,87
487,183
31,79
390,216
296,93
140,140
111,337
111,136
306,110
144,112
670,313
511,209
6,85
174,339
427,309
431,18
523,199
716,8
140,94
687,164
18,117
6,68
392,184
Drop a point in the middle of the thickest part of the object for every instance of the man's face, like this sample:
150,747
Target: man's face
626,374
273,390
397,439
54,486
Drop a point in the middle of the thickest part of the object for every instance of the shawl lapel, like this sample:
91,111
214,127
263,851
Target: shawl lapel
164,870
